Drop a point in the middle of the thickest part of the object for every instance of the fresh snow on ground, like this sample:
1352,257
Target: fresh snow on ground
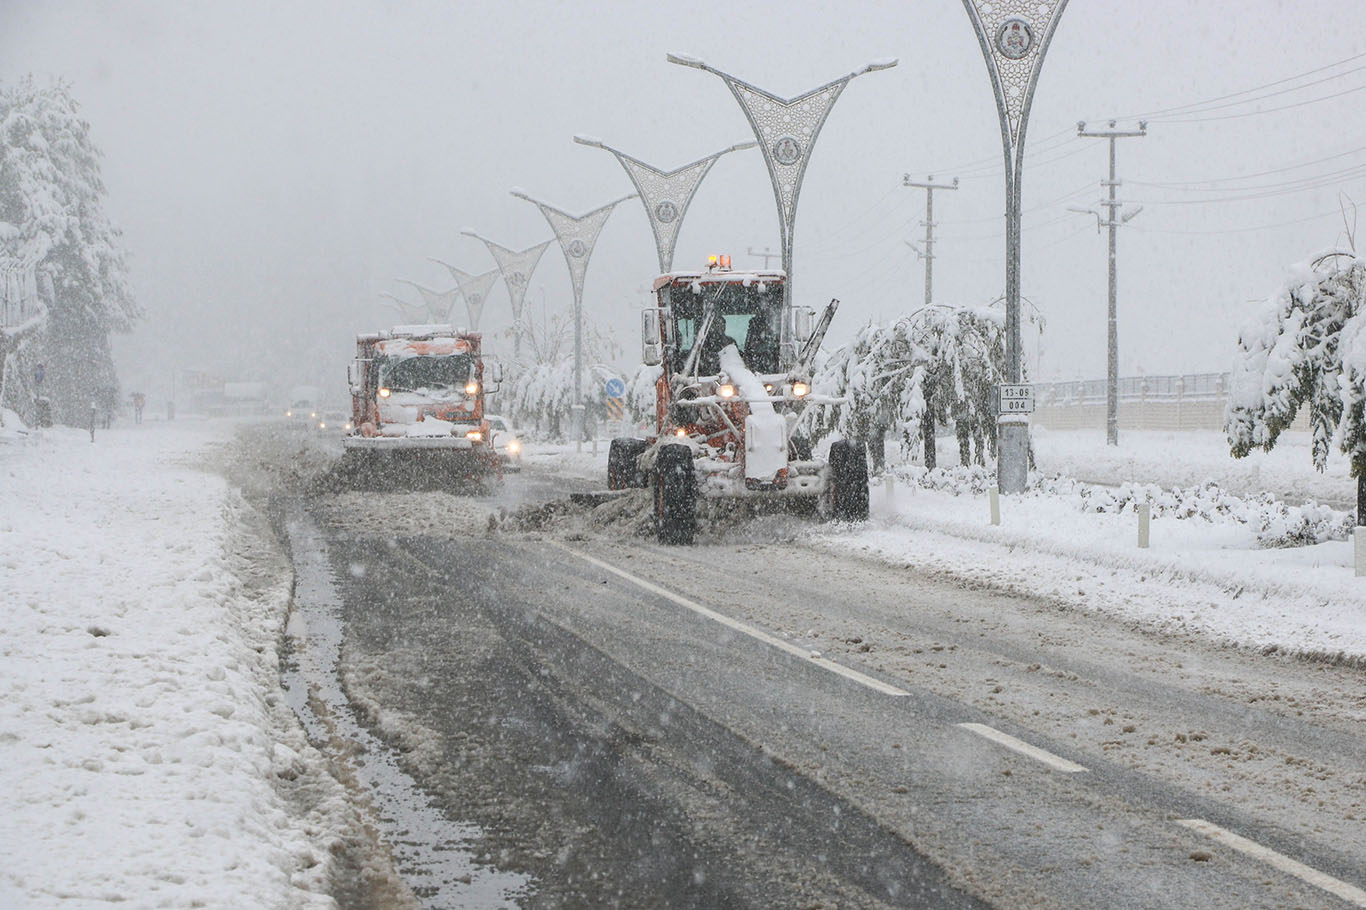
145,750
1207,568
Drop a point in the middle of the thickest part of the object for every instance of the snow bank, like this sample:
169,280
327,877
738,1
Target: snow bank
1217,564
144,752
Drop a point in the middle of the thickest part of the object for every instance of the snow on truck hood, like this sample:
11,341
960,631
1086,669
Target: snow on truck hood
422,347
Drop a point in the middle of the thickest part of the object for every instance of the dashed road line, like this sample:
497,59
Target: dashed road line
787,647
1056,762
1350,893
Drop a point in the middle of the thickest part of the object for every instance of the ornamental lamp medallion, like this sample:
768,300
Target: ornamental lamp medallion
517,279
577,248
666,212
787,150
1014,39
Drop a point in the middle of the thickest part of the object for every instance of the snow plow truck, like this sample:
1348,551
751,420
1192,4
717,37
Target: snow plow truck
736,364
417,408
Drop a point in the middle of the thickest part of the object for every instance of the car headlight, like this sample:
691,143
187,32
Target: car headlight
514,446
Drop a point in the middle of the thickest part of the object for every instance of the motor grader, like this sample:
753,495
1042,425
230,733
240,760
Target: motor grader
736,364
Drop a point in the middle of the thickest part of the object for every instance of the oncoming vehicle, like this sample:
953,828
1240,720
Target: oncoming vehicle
736,376
506,442
417,401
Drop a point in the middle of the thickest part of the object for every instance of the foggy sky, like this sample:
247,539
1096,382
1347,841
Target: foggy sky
276,166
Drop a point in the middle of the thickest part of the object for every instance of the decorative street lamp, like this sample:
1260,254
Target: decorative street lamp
786,129
439,303
408,313
474,288
665,194
1014,35
516,269
577,235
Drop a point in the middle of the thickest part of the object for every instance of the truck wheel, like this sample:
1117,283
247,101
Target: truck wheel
848,481
623,473
675,495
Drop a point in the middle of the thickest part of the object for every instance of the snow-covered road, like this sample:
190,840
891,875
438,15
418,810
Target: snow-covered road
152,760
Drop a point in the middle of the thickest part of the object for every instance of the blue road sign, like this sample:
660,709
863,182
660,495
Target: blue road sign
615,388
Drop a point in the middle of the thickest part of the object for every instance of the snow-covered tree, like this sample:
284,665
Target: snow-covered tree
51,210
1306,347
539,391
931,368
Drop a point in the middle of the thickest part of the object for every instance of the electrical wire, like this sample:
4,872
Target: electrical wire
1194,185
1194,106
1241,230
1258,113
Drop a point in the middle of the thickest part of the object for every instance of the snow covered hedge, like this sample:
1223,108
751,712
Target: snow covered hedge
1276,523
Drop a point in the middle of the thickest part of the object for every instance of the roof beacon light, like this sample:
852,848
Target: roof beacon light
725,261
712,261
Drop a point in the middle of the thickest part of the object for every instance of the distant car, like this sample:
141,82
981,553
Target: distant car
333,422
304,410
506,442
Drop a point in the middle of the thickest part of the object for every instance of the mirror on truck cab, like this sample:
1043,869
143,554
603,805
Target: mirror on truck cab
355,370
651,350
801,324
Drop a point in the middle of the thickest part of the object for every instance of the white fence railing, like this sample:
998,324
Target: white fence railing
1191,401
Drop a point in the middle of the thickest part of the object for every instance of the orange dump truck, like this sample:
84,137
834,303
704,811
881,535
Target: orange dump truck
417,400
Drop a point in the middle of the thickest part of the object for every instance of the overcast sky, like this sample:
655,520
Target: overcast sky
276,166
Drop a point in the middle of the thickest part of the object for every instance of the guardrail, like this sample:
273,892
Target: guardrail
1190,401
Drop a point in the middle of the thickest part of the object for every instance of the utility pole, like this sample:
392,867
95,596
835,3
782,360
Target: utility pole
1113,221
929,186
766,254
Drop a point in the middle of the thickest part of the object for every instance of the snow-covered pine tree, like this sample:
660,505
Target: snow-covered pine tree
51,200
1306,347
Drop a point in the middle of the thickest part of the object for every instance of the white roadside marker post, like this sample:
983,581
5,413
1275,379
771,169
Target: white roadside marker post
1144,516
890,482
1359,550
994,494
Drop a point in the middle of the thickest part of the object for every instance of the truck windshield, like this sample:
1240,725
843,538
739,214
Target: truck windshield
746,317
425,373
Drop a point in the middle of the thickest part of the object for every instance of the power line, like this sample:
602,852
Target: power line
1187,108
1193,184
1240,230
1268,194
1257,113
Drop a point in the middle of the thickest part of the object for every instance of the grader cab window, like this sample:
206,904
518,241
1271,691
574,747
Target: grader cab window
748,317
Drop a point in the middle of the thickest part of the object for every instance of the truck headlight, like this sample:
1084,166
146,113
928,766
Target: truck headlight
471,388
383,393
726,390
800,390
474,436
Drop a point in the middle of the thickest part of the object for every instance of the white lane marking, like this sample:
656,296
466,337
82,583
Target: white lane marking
787,647
1350,893
1056,762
